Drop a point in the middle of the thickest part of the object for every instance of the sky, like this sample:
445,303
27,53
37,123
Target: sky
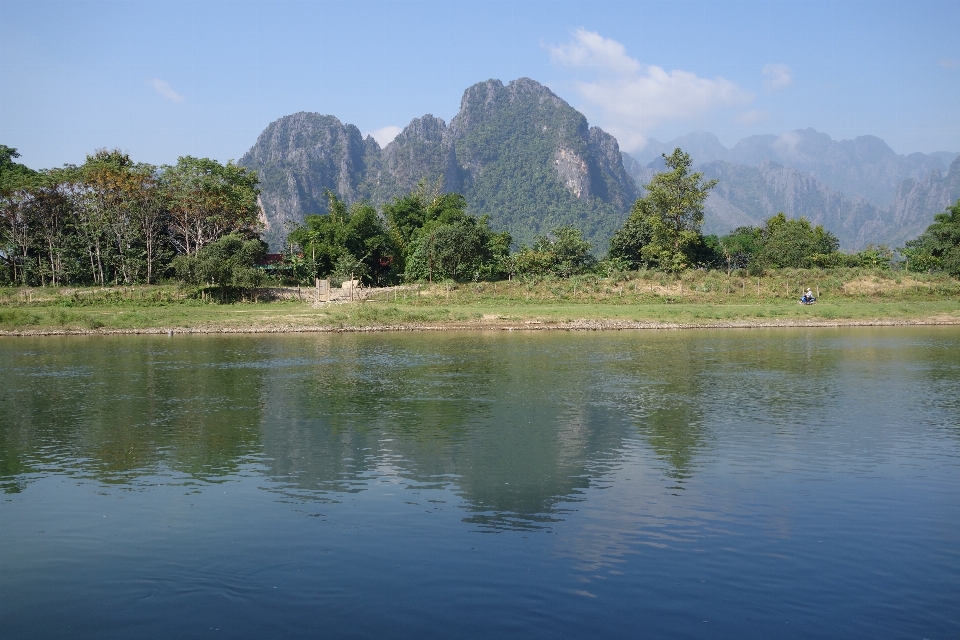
161,79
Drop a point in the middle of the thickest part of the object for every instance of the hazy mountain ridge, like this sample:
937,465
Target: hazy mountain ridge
865,166
519,153
753,186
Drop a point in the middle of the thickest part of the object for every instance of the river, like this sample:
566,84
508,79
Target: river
787,483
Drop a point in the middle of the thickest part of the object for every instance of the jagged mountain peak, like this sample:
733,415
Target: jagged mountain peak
518,152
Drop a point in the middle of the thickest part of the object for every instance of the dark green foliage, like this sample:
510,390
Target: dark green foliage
438,239
794,243
345,242
739,248
785,242
708,253
12,174
873,257
636,233
228,263
663,230
563,253
938,248
455,251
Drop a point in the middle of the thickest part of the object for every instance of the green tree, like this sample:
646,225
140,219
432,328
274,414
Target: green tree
16,228
208,200
411,216
664,225
228,263
794,242
562,253
939,246
456,251
636,233
740,247
13,175
354,235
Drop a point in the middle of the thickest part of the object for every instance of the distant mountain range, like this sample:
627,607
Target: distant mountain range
860,189
528,160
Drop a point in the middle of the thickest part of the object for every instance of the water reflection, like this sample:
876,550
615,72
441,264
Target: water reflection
117,410
166,484
510,427
516,426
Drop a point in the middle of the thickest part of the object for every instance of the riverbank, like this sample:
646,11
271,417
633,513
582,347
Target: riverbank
291,317
642,301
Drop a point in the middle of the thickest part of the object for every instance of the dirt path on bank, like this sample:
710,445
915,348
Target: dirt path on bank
498,325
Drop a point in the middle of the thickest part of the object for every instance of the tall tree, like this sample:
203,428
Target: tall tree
50,210
208,200
16,233
668,218
637,232
346,241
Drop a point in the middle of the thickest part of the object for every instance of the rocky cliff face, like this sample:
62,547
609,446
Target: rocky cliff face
918,200
299,156
518,153
421,151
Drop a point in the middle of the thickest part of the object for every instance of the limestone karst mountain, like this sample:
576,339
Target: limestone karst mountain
517,152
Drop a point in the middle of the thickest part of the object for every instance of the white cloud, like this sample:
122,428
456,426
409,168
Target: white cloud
754,116
632,97
384,135
947,63
591,50
165,90
779,76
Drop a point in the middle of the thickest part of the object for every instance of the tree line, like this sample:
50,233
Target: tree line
111,220
115,221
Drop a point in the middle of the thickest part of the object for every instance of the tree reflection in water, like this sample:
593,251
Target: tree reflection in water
121,409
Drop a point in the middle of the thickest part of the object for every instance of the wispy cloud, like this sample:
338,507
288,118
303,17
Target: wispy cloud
947,63
779,76
165,90
633,97
385,135
590,50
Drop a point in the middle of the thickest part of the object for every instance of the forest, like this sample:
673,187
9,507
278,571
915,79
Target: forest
113,221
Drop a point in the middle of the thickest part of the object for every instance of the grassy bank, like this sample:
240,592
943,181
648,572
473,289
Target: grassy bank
635,299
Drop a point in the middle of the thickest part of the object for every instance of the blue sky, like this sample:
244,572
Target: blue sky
161,79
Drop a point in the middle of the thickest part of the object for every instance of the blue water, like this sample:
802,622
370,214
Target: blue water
716,484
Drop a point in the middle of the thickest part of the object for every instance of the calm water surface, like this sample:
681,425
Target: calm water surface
715,484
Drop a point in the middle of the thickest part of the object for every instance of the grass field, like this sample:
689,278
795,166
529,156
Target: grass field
645,298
